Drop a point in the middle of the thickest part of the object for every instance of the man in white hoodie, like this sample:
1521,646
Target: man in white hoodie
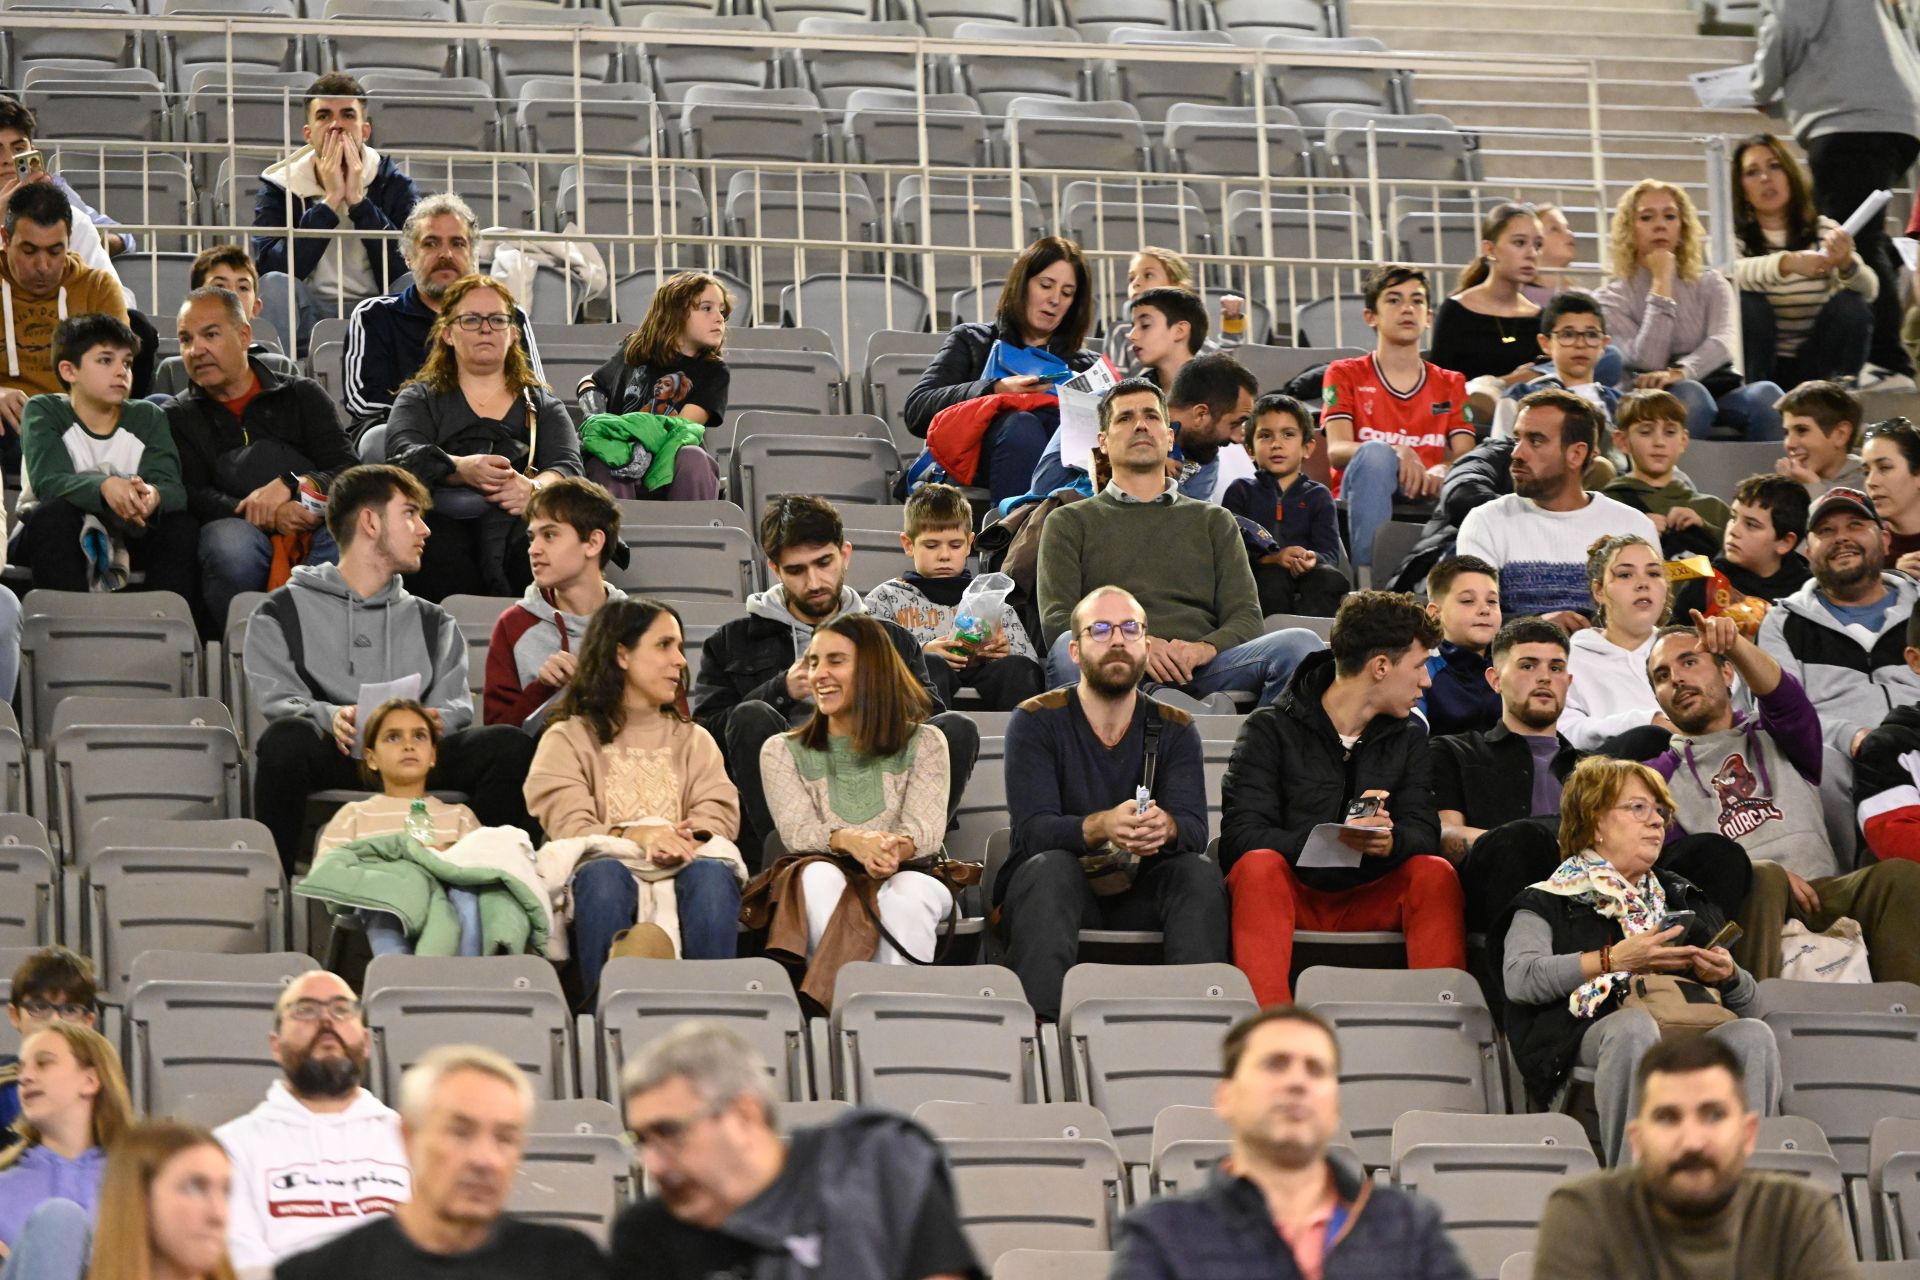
321,1155
336,182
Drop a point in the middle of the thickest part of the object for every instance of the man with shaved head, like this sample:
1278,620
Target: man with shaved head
321,1154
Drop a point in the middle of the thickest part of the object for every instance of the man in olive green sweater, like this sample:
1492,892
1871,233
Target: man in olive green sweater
1686,1207
1181,558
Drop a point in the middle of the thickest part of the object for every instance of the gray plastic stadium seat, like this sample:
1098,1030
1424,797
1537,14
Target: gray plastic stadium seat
640,1000
264,968
1518,1266
1187,1143
576,1115
1036,1120
161,280
882,126
509,1003
512,63
212,1109
1796,1145
1894,1186
737,122
1135,1038
852,308
576,1180
835,74
634,292
141,758
773,206
1410,1039
1310,235
17,787
441,113
854,469
944,18
102,42
1849,1056
611,117
902,1035
706,563
475,616
1035,1193
182,886
1322,627
996,82
682,65
608,204
248,722
1052,1264
1435,235
1097,20
1275,367
12,958
793,15
1225,141
359,55
968,224
1054,134
1252,21
1428,148
1718,466
29,885
718,513
124,104
829,426
186,52
789,1116
144,188
186,1037
982,810
1156,87
1312,92
1489,1175
1331,321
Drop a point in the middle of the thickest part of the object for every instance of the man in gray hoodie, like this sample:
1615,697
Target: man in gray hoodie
317,642
1847,79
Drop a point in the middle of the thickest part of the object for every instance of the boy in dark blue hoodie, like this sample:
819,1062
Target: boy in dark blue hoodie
1302,577
1463,595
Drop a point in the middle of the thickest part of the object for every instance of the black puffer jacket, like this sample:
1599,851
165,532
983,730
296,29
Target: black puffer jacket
1481,475
953,375
1290,772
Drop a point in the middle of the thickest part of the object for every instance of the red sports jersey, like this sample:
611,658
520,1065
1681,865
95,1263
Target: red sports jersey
1424,416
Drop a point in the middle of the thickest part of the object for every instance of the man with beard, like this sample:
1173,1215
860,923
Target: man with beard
315,646
321,1154
387,335
1283,1203
1843,634
1106,792
1538,535
753,671
1686,1206
1210,400
1757,782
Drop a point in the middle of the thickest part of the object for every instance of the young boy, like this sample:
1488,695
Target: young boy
573,526
1573,337
938,537
1463,596
1821,420
229,267
1169,326
49,984
1761,555
1294,508
1394,421
102,491
1650,427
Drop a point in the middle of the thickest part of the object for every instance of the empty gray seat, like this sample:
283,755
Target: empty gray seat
1136,1038
852,308
1312,92
359,55
615,119
1054,134
737,122
1330,321
145,188
99,36
793,15
512,1004
1036,1120
250,44
265,968
1052,1264
882,126
1035,1193
679,62
1849,1056
449,113
806,381
29,884
835,74
605,209
577,1180
1796,1145
1187,1143
186,1037
688,563
719,513
995,81
1275,367
1424,149
902,1035
847,469
1894,1185
773,206
946,18
213,1109
1155,87
476,616
640,1000
1250,22
141,758
512,63
1718,466
1225,141
972,227
1099,19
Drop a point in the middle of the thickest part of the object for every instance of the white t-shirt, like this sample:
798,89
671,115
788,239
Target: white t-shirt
1542,555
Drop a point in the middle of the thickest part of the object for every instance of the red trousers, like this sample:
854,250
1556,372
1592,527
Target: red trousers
1420,898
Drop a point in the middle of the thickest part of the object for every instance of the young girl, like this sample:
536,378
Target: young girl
163,1208
855,792
403,744
672,364
1485,331
1610,700
73,1105
621,757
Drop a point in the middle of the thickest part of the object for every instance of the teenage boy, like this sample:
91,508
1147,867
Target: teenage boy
1394,421
1650,427
1296,510
51,983
1760,556
1573,337
45,281
102,491
1463,596
573,526
1003,666
1169,326
1821,420
229,267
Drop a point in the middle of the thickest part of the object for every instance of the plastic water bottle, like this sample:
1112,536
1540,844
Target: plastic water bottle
419,824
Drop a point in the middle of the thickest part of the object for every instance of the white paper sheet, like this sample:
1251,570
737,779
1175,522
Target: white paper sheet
371,696
1094,380
1909,252
1324,848
1724,88
1868,211
1079,428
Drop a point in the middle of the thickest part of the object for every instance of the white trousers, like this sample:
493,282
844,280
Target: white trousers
911,904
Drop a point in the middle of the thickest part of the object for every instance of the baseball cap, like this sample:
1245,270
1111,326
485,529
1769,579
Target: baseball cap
1842,498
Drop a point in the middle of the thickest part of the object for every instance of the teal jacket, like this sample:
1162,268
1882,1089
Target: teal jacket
396,874
611,437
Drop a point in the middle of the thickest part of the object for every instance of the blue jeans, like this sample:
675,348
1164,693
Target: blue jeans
1263,664
606,900
1009,454
236,557
1835,347
52,1244
1748,408
386,936
1368,486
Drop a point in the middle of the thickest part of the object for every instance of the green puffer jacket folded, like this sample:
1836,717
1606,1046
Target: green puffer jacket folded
396,874
612,437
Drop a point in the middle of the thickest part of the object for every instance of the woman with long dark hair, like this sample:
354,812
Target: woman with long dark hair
1806,298
622,758
856,792
1044,315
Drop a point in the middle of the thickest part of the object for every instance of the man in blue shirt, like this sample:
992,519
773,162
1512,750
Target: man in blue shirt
1103,835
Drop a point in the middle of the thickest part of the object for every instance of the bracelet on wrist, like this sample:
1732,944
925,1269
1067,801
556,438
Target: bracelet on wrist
1606,957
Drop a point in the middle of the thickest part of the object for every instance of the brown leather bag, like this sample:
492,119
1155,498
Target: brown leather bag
1681,1006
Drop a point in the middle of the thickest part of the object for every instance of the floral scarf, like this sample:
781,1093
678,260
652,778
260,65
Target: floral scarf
1590,879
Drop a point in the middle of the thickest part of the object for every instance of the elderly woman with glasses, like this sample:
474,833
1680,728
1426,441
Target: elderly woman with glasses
1578,939
479,428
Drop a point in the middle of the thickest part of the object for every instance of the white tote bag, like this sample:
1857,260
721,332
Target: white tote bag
1838,955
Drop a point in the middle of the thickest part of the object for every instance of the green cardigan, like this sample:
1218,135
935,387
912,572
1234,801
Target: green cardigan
396,874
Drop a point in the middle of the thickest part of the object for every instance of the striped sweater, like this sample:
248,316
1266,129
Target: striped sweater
1797,300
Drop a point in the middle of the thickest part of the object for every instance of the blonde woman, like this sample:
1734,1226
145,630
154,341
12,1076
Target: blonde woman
1674,318
1610,703
478,427
73,1105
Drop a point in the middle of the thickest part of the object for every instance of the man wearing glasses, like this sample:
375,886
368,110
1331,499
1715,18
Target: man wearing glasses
1107,795
49,984
867,1197
321,1155
1757,781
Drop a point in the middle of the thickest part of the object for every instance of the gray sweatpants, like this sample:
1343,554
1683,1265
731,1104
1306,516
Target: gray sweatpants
1614,1046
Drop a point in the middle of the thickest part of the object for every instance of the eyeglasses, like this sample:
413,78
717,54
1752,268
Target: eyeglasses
1647,811
1580,337
670,1135
332,1010
1102,632
66,1011
491,323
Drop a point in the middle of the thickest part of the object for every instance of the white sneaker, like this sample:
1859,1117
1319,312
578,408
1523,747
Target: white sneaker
1875,378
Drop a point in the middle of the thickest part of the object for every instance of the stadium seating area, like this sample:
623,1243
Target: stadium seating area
862,177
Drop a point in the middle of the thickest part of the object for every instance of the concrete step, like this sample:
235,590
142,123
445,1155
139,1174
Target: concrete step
1630,54
1554,164
1556,91
1615,119
1481,17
